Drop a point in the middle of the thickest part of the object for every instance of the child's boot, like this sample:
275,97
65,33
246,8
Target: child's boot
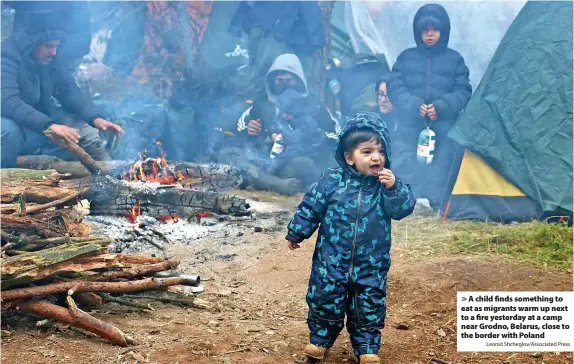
369,359
315,352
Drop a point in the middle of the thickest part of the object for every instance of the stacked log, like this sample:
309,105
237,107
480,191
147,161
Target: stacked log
48,256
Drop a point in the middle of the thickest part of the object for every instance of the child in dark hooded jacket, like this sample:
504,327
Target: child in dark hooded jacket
352,206
429,88
301,134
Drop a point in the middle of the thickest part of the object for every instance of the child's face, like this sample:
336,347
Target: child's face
368,158
430,35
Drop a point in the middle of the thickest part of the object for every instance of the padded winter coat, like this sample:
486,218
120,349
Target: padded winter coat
353,213
28,87
430,74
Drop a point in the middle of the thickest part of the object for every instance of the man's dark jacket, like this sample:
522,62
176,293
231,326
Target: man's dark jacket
28,87
297,23
430,74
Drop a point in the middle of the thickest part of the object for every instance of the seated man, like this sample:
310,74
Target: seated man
30,82
258,124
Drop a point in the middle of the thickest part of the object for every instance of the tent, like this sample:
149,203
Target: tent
517,127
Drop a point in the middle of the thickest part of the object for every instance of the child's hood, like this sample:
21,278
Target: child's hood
369,120
435,15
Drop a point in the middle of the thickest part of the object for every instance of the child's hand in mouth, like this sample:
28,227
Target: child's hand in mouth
387,178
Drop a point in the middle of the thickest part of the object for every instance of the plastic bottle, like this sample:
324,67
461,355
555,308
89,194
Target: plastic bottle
426,145
277,147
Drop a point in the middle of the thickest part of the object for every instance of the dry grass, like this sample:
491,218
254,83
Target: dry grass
535,243
269,196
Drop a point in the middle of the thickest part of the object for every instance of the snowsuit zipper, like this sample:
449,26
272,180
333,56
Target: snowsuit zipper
353,253
428,80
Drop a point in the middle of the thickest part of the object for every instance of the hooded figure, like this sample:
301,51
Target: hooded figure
259,122
430,75
72,16
28,92
287,73
353,213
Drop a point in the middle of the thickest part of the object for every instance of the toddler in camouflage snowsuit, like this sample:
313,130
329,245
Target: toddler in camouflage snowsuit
352,206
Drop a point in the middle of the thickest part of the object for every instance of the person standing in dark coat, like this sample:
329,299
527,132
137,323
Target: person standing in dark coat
430,87
31,84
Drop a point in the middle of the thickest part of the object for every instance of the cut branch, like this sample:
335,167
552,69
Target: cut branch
33,193
88,299
90,263
77,151
38,208
136,271
77,318
110,287
44,258
109,298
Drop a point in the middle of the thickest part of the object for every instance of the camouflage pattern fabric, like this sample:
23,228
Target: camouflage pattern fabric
353,212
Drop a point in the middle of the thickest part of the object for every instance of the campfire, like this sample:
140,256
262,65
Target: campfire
156,170
49,252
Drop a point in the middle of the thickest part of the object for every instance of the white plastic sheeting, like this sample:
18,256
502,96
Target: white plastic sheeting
387,27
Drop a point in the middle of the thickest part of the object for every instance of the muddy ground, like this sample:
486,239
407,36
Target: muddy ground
255,288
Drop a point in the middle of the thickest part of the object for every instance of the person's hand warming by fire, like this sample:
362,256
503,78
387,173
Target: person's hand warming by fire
103,124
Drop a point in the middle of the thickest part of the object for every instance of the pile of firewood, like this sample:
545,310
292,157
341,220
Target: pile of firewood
52,268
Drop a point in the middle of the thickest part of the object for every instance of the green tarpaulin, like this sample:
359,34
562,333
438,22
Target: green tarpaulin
520,117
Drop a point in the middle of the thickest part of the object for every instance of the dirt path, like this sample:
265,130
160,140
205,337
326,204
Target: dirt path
259,309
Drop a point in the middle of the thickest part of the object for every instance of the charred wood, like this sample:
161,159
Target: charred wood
113,197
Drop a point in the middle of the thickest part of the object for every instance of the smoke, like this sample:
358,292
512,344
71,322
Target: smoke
476,28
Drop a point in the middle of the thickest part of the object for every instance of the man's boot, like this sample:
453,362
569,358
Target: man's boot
253,176
267,182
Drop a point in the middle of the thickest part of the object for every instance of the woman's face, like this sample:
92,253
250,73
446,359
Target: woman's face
385,105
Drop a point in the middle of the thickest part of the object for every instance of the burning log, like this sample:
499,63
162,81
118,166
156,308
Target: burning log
113,197
81,286
77,318
207,177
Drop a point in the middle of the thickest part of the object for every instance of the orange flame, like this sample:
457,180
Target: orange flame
159,169
168,217
135,211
